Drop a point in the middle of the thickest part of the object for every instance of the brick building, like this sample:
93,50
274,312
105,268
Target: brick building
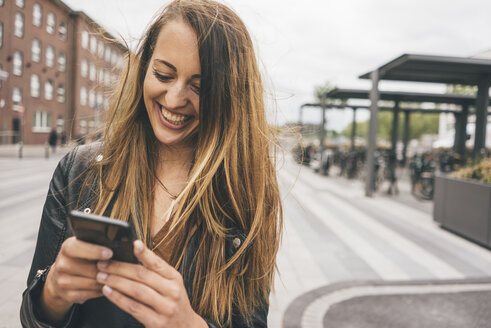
97,64
56,68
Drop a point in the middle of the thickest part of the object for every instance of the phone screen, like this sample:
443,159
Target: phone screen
114,234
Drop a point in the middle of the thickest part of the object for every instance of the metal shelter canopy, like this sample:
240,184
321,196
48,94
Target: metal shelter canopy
465,101
437,98
434,69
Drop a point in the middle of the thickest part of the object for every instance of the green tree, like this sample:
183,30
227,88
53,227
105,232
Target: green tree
419,124
460,89
321,89
324,88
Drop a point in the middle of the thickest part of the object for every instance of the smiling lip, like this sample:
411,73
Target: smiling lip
172,120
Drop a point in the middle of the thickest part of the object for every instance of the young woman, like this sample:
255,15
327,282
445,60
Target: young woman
187,158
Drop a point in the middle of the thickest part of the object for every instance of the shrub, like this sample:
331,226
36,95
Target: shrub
480,172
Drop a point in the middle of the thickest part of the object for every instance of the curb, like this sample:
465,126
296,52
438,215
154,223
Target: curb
294,313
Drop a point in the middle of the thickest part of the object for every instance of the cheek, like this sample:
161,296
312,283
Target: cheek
196,105
148,88
150,92
150,85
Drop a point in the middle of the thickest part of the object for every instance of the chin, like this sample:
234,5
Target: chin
171,139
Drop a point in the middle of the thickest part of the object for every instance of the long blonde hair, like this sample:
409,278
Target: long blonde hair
232,181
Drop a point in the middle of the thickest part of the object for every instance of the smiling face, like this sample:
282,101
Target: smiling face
172,83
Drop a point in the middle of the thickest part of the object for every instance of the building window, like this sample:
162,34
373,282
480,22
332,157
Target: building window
85,39
19,25
93,44
18,63
51,23
60,122
100,50
41,122
92,72
48,89
100,100
1,34
61,92
115,59
91,125
61,61
107,78
35,86
83,96
84,67
101,75
17,96
36,50
91,98
107,55
83,126
19,3
50,56
62,30
37,15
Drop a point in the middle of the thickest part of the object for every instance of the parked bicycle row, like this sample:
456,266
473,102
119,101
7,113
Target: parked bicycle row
351,164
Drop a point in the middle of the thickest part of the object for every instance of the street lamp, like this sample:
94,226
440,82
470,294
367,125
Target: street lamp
21,110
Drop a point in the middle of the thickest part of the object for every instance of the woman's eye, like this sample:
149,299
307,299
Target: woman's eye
195,88
163,78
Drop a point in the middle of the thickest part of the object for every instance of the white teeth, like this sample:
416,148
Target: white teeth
173,118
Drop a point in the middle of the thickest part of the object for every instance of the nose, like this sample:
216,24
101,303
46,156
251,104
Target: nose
176,96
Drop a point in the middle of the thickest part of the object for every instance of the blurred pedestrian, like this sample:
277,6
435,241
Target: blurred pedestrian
53,139
393,188
326,159
186,157
63,138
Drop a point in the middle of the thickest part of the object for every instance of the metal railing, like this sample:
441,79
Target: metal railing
16,140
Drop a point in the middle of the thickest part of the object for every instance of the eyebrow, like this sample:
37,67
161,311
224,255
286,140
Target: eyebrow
172,67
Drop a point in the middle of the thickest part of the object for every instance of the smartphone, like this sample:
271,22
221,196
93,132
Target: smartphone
96,229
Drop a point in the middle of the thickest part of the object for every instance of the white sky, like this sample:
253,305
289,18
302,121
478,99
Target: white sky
305,43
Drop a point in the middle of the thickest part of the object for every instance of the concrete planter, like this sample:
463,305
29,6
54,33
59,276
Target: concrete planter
464,207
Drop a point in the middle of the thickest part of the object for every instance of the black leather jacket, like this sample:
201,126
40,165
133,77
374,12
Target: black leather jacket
63,197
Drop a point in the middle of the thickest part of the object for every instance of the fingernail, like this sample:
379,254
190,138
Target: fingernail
139,246
103,264
107,290
101,276
107,253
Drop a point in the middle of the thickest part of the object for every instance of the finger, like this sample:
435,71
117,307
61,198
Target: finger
81,296
151,261
139,273
76,267
76,248
144,314
68,282
136,290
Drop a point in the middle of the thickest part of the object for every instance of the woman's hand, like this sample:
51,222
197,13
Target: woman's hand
153,293
72,278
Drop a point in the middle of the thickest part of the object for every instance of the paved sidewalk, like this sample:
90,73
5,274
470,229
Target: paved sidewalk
351,261
23,186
